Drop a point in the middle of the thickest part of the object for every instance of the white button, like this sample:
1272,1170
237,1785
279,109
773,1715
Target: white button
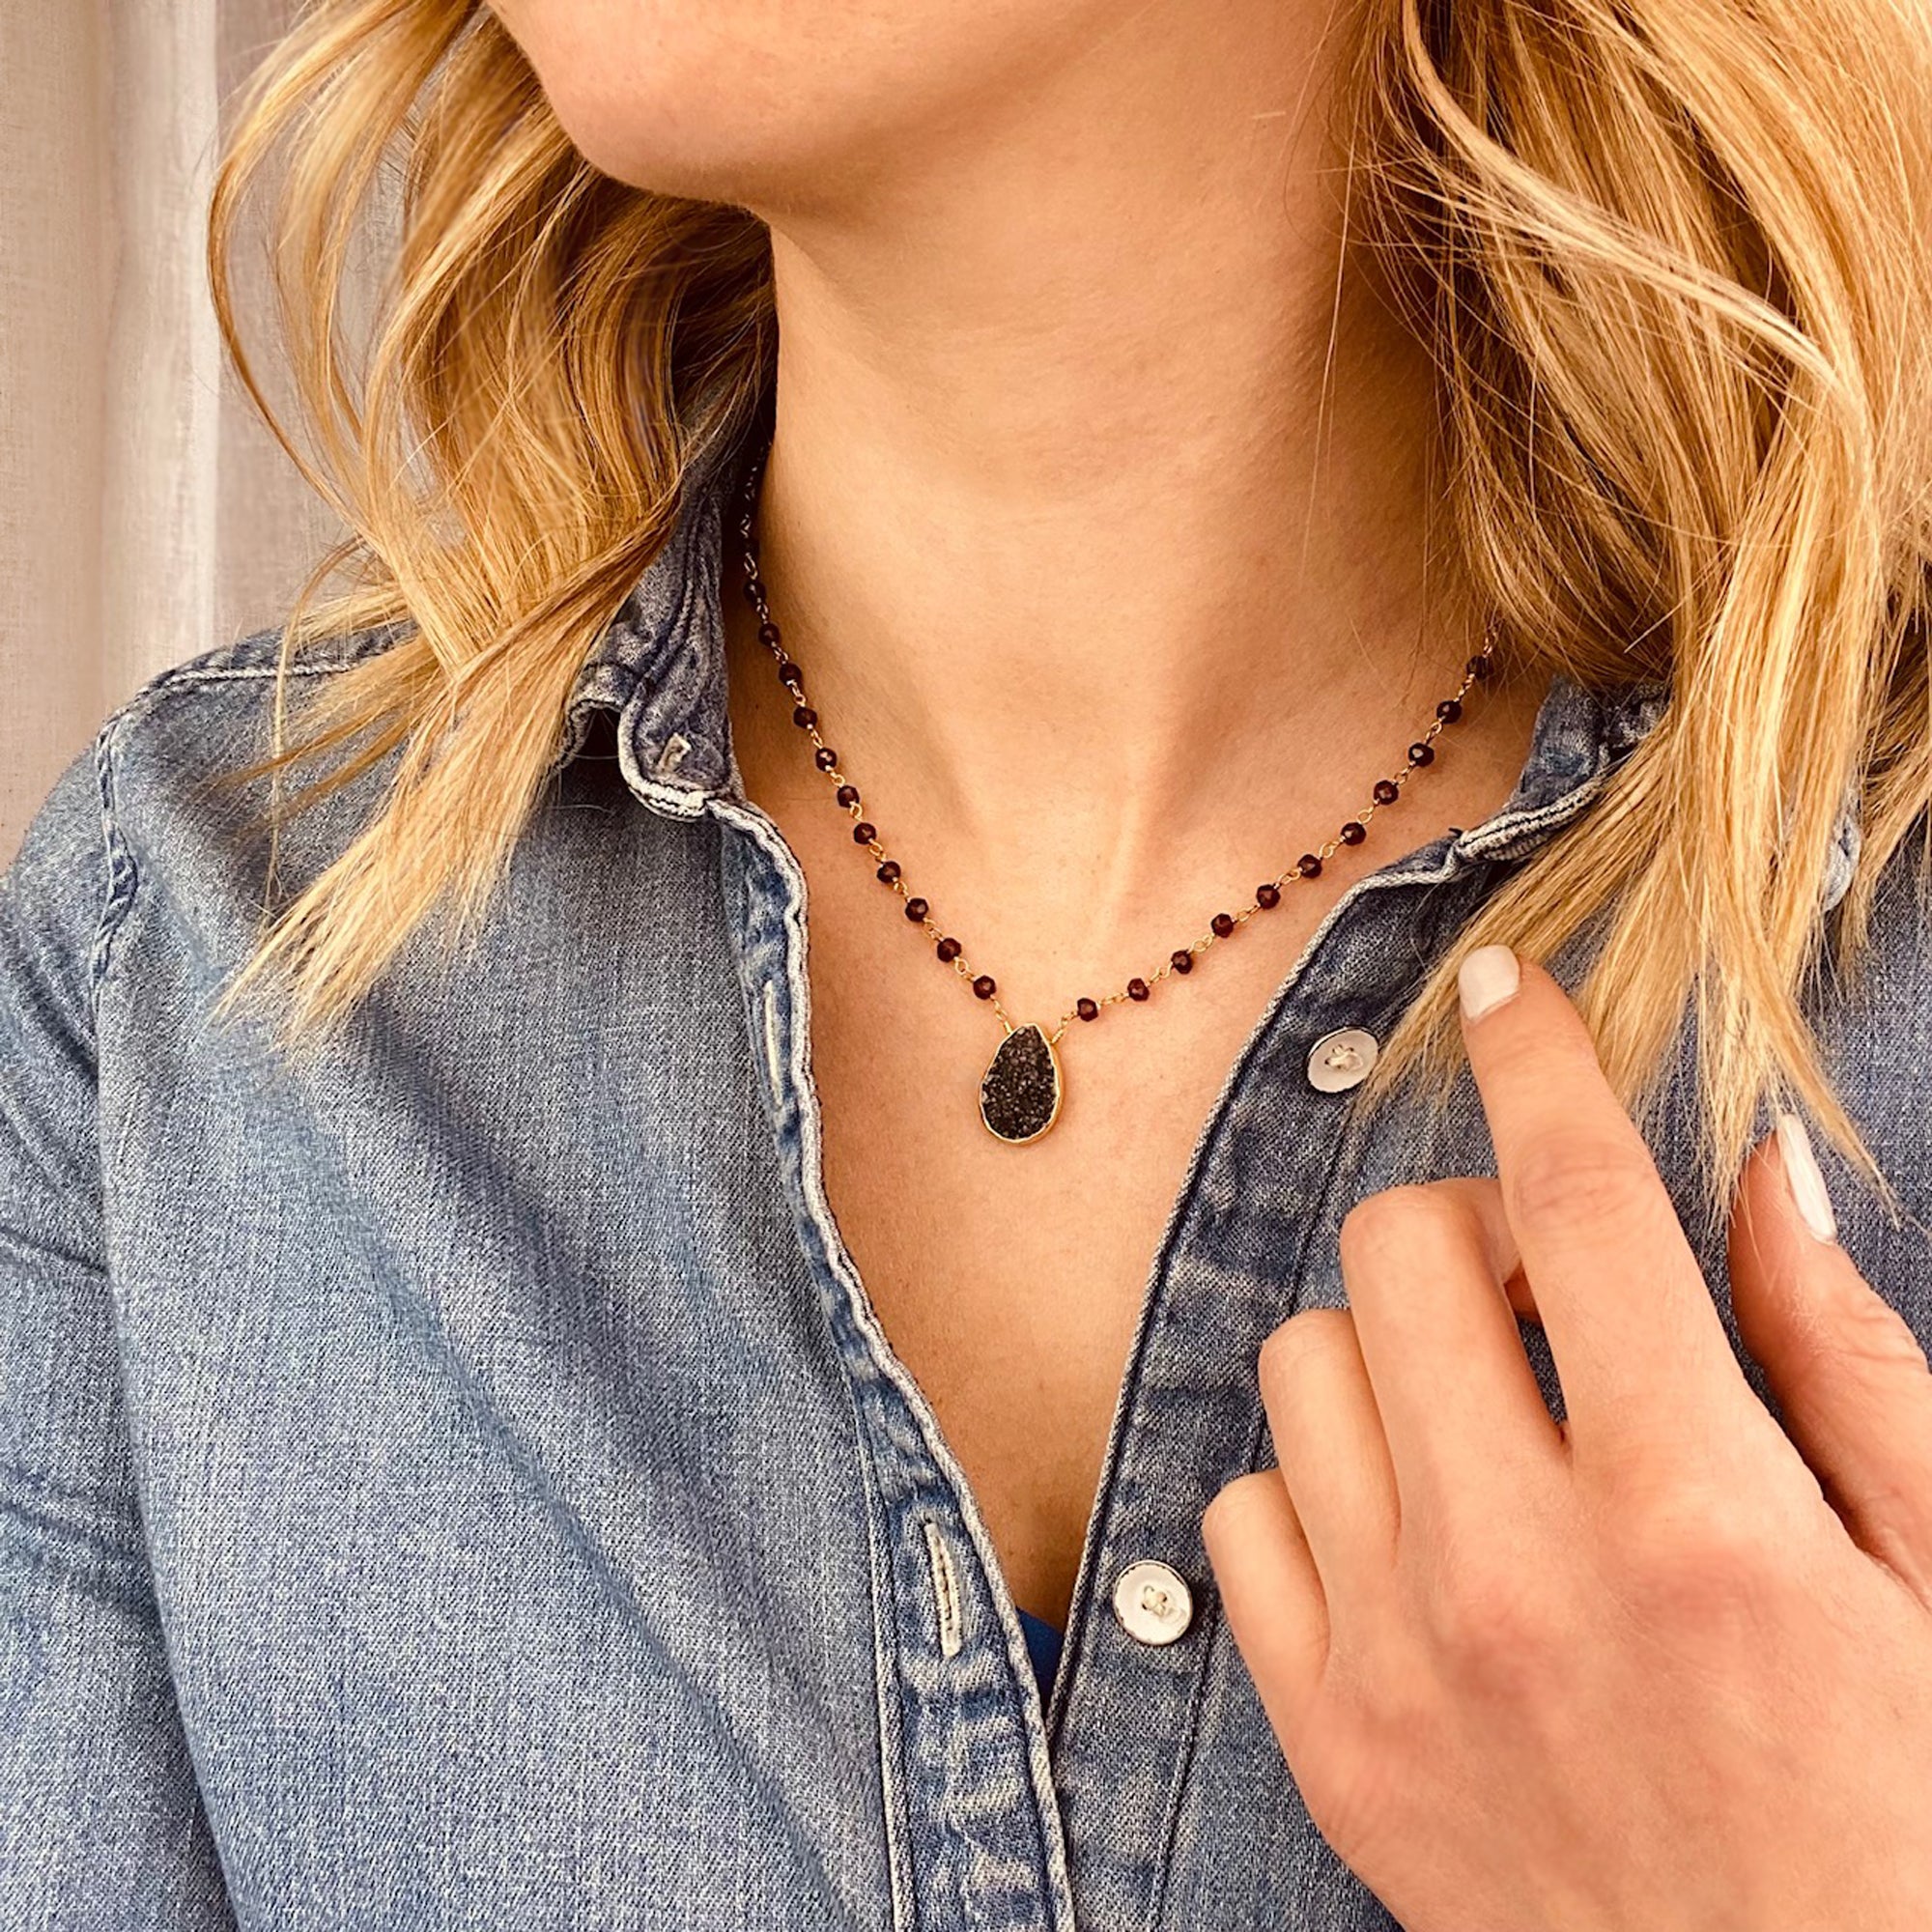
1152,1603
1338,1061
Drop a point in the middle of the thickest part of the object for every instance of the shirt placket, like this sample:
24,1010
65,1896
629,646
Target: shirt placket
1275,1150
1280,1150
968,1779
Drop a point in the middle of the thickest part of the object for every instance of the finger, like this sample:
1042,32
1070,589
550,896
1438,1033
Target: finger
1638,1340
1334,1458
1848,1372
1459,1402
1271,1592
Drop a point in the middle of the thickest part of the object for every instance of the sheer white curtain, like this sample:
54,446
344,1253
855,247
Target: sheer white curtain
144,516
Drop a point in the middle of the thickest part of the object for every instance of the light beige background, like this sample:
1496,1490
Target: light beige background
144,515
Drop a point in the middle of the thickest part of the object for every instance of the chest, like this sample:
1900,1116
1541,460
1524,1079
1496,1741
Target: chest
1011,1278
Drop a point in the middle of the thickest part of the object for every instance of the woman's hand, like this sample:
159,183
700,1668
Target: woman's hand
1639,1673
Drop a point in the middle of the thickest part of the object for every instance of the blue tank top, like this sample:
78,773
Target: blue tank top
1042,1643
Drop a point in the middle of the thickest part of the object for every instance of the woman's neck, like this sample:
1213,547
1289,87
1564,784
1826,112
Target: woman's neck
1100,500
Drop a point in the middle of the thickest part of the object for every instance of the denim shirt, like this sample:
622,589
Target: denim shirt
457,1479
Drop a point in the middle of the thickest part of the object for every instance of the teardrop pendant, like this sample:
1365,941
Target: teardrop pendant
1019,1097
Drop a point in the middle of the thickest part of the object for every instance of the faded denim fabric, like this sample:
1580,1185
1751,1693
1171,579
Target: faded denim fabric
458,1481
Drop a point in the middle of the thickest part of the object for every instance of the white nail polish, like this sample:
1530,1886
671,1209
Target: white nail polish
1485,979
1801,1177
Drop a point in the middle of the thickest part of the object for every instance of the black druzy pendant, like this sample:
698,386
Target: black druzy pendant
1020,1099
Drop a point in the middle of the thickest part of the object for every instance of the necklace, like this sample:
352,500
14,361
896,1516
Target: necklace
1021,1091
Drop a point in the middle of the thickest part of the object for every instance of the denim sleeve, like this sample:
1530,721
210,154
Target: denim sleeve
100,1822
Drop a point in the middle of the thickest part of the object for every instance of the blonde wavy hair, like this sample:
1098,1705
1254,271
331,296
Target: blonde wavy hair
1674,265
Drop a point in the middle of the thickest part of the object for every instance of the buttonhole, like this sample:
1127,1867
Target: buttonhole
944,1589
774,1070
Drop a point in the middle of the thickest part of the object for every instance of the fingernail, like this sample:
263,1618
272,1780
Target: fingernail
1803,1179
1485,979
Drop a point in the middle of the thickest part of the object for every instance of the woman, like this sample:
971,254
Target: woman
533,1397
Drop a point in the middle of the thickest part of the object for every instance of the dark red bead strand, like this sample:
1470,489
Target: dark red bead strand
804,716
948,949
1310,866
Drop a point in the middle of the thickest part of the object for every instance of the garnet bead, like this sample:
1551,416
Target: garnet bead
948,949
917,910
1477,667
768,635
1449,710
1309,865
804,716
1420,753
1353,832
865,832
848,795
1222,923
984,986
889,873
1268,897
1086,1009
753,590
1386,791
1137,990
1181,961
789,673
825,759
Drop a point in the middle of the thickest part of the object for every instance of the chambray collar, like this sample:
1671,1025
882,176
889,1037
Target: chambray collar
660,670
